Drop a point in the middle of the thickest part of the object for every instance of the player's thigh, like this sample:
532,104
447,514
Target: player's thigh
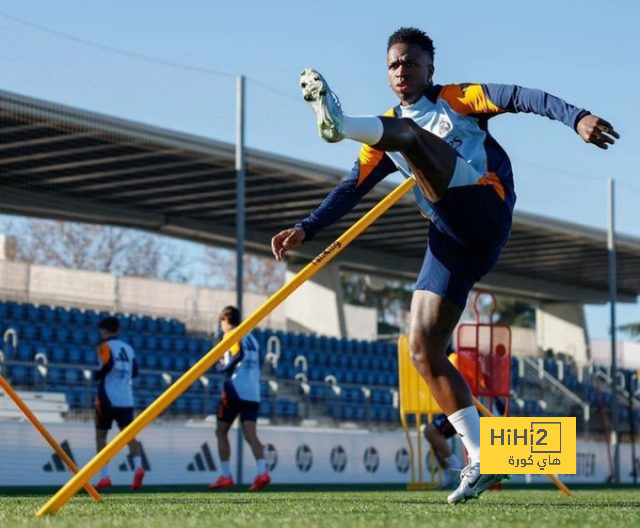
103,416
228,410
433,317
249,413
123,416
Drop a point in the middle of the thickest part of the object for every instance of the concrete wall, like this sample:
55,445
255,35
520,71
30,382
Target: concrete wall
628,353
49,285
562,327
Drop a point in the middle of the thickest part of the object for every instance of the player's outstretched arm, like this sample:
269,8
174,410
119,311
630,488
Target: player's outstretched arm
594,129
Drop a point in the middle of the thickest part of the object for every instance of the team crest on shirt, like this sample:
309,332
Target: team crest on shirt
444,125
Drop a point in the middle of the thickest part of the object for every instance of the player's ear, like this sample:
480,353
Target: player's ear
432,70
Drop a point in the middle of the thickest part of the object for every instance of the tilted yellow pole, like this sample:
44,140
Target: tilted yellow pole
47,436
231,338
556,481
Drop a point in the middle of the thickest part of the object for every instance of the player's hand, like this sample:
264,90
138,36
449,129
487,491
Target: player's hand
285,241
596,130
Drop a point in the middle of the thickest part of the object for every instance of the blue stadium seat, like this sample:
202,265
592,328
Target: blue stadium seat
54,374
61,316
46,333
150,360
166,362
92,318
4,311
164,344
136,341
177,327
58,354
179,344
180,405
151,342
266,409
28,332
17,312
78,336
90,356
164,327
72,375
74,355
136,324
180,363
150,325
33,313
19,374
93,336
192,346
61,334
24,352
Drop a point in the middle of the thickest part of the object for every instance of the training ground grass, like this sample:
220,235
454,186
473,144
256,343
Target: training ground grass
367,509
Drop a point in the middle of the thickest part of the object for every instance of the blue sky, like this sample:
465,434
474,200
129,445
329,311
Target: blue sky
583,51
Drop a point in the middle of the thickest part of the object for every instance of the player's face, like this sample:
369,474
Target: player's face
410,70
225,325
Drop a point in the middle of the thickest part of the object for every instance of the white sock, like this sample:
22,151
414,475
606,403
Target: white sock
453,462
104,472
137,462
466,422
262,466
225,468
365,129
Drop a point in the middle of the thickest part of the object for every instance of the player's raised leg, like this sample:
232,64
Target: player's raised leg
432,160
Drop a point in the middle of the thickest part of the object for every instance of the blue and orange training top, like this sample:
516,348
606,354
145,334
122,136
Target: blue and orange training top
459,114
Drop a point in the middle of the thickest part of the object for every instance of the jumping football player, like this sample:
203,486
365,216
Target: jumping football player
438,134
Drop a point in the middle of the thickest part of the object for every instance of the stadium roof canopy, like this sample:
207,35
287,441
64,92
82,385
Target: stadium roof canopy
65,163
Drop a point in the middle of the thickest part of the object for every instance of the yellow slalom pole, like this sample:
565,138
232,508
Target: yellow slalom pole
556,481
231,338
47,436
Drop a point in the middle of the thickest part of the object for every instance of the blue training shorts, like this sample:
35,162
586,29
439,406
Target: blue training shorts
469,227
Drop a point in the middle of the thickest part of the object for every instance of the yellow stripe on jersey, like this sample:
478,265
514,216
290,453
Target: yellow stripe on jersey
368,157
468,100
104,353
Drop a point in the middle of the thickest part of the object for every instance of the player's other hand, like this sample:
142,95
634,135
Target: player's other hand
596,130
285,241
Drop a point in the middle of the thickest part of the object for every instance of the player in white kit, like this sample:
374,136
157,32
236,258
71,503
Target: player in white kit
114,401
240,396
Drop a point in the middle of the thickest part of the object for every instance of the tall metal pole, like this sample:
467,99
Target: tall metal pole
240,222
613,281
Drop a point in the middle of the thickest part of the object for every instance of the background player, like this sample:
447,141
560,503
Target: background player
438,134
115,395
240,396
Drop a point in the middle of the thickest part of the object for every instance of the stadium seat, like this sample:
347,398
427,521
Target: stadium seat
24,352
4,311
61,316
78,336
17,312
19,374
61,334
72,376
74,355
151,342
58,354
166,362
180,363
28,332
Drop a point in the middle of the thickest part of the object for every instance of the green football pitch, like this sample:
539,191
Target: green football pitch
367,509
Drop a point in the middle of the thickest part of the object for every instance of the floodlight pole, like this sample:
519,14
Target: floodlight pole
611,249
240,224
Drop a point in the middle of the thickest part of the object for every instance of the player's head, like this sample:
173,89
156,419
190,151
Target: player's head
109,326
229,318
410,55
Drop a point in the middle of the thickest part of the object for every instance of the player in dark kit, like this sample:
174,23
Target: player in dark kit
439,135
